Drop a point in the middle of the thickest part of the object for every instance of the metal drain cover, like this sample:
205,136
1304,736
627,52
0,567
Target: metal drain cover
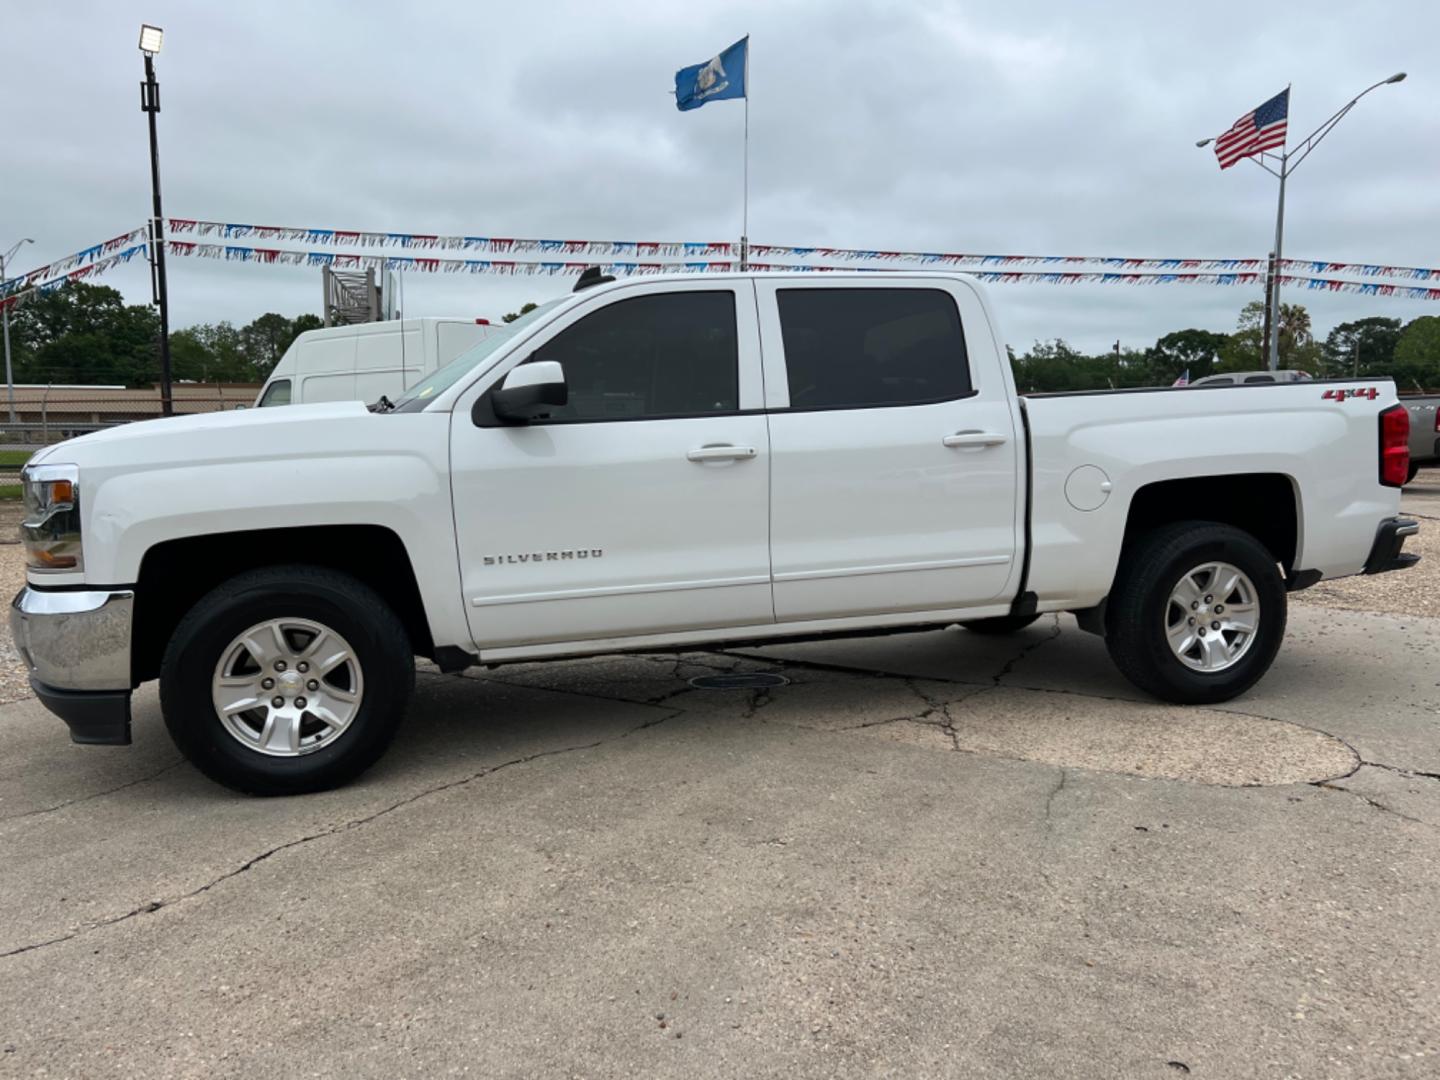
740,680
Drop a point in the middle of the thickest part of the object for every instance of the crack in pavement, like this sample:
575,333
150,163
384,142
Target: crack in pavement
844,669
1326,785
1010,664
759,698
334,830
1414,773
93,795
1050,825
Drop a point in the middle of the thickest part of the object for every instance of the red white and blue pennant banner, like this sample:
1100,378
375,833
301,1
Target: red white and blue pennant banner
94,269
513,267
82,257
760,252
499,245
695,257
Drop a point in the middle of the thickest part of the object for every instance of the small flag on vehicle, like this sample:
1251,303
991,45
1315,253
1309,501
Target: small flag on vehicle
1257,131
1183,380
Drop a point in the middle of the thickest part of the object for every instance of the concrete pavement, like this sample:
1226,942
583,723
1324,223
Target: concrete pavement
929,855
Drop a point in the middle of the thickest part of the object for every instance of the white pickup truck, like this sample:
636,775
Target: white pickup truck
671,462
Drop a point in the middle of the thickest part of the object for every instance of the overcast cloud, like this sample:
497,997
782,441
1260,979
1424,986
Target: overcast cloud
1047,128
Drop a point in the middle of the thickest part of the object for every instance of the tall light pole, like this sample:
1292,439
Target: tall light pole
5,319
150,39
1288,161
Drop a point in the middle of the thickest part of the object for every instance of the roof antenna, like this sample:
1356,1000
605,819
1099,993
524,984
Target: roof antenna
592,276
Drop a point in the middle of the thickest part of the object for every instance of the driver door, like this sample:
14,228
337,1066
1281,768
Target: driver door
642,505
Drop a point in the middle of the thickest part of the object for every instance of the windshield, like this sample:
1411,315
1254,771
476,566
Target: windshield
426,390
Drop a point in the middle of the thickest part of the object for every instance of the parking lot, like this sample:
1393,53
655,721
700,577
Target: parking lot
927,854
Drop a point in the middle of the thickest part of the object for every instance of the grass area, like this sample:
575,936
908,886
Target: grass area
11,459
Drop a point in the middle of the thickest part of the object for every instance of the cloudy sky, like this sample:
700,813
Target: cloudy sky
1029,127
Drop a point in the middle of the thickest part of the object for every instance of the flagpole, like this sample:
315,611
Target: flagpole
745,181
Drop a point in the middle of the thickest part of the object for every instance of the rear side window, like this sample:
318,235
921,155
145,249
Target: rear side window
671,354
277,393
858,348
1259,379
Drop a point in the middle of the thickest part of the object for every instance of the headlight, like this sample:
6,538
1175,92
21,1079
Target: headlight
51,529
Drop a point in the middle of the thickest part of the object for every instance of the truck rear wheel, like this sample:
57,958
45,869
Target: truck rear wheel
286,680
1197,613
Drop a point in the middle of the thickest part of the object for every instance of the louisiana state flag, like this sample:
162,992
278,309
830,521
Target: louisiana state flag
718,78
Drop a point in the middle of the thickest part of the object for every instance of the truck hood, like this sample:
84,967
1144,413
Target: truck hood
194,432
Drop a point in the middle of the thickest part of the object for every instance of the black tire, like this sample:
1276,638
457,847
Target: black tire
1414,471
338,601
1135,616
1000,624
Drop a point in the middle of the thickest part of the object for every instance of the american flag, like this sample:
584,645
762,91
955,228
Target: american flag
1263,129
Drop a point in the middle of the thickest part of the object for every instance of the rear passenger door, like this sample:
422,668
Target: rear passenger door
893,470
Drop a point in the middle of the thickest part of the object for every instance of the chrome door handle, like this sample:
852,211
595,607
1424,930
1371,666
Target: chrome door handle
975,439
724,452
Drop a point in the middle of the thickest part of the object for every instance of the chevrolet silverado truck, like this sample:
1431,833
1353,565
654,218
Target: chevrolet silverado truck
680,462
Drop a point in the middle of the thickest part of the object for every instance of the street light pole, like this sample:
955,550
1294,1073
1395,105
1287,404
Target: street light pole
1289,161
1273,300
5,319
150,39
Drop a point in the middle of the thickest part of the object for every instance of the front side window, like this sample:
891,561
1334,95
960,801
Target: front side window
856,348
1259,378
277,393
437,382
671,354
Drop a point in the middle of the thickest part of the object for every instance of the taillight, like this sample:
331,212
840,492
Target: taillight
1394,446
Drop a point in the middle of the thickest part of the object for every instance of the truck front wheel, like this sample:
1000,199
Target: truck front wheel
1197,613
286,680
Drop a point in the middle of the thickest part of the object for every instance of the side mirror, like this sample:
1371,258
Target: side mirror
529,391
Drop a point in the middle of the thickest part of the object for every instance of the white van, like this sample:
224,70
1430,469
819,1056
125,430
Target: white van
367,360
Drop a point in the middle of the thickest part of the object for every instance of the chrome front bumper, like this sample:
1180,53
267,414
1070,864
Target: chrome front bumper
77,647
75,640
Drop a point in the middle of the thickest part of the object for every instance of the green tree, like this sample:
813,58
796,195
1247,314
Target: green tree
1245,350
1190,350
1361,347
1417,354
528,307
301,323
218,352
83,333
211,352
265,340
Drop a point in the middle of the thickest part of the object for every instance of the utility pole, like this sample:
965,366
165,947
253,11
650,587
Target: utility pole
1269,295
5,318
150,39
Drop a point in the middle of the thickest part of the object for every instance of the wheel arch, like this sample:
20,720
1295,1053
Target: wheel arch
1265,505
175,574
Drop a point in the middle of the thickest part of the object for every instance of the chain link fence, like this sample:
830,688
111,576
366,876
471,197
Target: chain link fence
38,416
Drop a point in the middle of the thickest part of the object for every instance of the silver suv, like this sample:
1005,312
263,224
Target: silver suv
1245,378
